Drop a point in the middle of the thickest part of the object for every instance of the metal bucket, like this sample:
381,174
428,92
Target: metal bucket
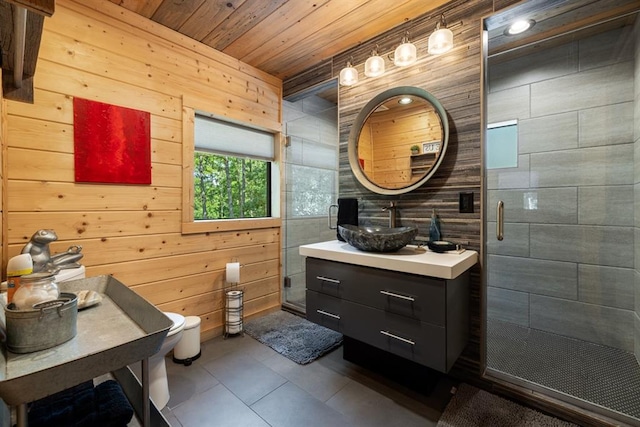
46,325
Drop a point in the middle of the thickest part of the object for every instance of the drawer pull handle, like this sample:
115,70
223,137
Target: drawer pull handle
397,337
334,316
326,279
391,294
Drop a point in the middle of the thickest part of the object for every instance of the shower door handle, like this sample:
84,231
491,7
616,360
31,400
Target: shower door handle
500,220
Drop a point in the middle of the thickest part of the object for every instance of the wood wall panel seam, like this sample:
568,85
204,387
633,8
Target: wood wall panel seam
123,248
75,225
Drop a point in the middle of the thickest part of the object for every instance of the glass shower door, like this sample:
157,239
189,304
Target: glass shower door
311,182
559,161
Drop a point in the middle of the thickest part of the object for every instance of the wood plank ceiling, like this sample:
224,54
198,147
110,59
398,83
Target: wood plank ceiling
286,37
280,37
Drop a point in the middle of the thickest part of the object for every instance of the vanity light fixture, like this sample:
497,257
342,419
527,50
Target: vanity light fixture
519,26
406,53
374,66
441,40
348,75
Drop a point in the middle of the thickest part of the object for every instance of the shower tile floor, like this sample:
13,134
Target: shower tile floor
601,375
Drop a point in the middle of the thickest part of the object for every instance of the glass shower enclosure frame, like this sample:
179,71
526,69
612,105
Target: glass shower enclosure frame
561,221
311,181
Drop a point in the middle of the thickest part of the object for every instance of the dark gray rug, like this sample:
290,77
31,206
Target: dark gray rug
472,407
292,336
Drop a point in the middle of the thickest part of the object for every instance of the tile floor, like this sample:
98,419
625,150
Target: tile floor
604,376
240,382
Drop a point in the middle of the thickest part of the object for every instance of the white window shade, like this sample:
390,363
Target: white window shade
222,137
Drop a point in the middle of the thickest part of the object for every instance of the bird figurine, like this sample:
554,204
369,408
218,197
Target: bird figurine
38,248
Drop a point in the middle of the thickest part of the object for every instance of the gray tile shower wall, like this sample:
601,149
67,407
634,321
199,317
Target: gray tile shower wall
589,322
567,263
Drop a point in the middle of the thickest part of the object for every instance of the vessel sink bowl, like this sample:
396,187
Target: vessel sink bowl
377,239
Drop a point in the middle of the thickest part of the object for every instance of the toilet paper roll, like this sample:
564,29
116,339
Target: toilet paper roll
233,272
234,299
234,329
234,323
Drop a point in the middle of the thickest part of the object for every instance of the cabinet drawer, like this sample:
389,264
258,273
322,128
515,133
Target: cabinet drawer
328,277
410,295
412,339
324,310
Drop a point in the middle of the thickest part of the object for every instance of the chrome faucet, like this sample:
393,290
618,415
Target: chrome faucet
392,208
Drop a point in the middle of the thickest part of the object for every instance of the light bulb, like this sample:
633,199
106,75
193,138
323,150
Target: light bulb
519,27
440,41
405,54
374,66
348,75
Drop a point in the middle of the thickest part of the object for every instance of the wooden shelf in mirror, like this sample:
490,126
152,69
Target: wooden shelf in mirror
421,163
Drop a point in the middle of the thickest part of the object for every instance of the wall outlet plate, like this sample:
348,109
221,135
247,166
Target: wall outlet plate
465,204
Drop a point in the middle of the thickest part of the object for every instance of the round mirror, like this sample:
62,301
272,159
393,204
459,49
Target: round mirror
398,140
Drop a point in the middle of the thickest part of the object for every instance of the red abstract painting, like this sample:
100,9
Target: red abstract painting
112,144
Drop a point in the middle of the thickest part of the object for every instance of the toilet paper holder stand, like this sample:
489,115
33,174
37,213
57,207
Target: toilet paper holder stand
234,305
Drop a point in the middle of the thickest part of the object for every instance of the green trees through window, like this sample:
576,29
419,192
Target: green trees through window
227,187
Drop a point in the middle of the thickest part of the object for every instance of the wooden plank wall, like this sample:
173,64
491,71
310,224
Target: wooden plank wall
102,52
455,80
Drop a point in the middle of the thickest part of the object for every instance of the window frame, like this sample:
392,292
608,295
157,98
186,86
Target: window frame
191,226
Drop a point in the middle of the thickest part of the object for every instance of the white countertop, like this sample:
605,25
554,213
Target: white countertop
410,259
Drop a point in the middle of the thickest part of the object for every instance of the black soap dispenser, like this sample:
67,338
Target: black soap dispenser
434,228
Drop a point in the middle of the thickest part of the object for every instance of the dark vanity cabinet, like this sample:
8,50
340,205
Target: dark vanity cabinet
420,318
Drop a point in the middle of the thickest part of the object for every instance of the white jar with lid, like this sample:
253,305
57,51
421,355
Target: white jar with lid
35,288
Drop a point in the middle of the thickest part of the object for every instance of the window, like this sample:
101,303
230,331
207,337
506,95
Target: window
231,170
502,145
227,187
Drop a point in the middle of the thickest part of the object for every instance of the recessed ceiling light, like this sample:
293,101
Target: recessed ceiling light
405,100
519,26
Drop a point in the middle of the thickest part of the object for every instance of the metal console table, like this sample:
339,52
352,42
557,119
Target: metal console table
123,329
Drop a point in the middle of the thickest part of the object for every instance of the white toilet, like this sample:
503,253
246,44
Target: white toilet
158,384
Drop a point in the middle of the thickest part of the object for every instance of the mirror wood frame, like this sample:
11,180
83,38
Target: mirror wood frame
361,119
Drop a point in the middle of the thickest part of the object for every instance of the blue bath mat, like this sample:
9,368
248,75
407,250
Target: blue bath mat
293,337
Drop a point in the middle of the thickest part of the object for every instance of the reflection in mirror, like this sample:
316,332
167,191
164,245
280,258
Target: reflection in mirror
387,137
398,140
